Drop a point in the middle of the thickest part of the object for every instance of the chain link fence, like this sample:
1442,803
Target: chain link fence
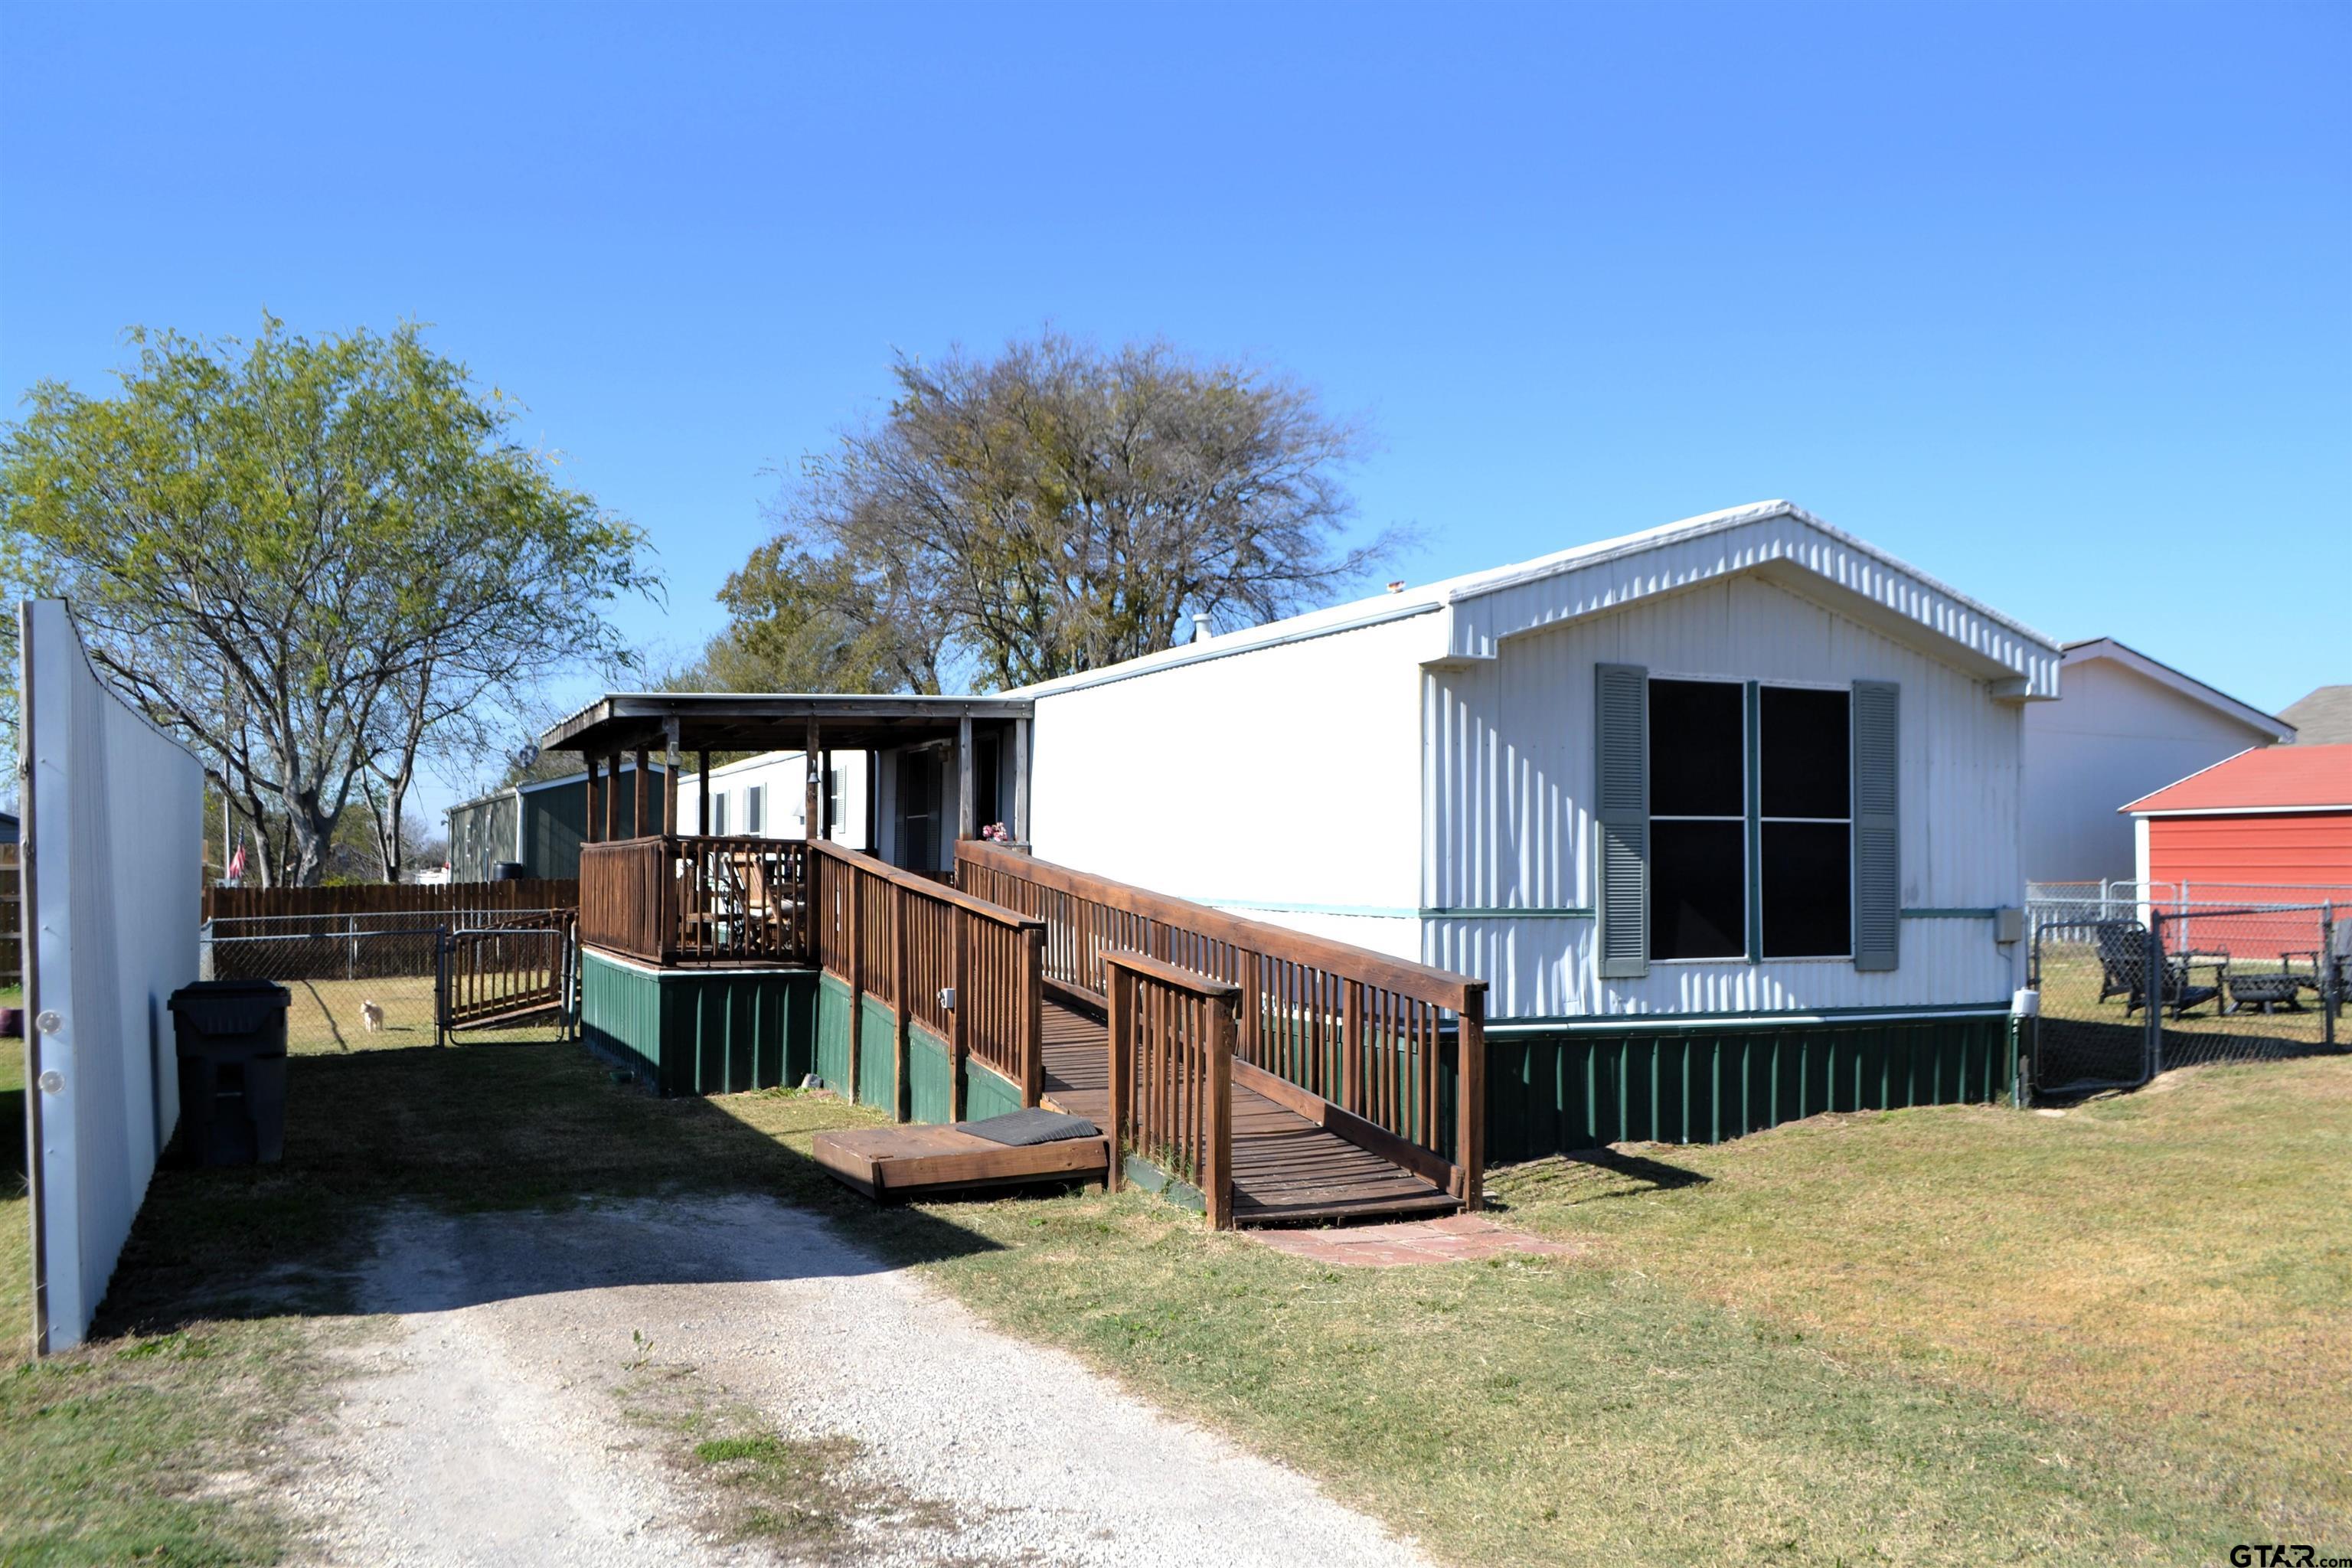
362,982
2128,991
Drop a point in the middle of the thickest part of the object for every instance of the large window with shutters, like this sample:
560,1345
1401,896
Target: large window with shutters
1751,830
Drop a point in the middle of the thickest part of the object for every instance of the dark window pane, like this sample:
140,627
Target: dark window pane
1698,901
1808,889
1803,751
1697,749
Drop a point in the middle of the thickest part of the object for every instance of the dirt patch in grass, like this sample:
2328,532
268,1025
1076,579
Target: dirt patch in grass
805,1497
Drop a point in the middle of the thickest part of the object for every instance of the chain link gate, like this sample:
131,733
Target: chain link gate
2124,996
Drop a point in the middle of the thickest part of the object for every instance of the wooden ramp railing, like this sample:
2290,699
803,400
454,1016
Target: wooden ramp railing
503,974
1171,1074
968,971
1354,1040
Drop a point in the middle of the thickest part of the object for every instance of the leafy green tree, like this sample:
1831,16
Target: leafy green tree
1050,509
316,561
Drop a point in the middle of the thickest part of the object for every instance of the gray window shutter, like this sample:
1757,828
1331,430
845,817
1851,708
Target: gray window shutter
1877,865
1621,745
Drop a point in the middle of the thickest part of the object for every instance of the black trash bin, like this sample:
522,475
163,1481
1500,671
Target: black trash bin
510,871
231,1038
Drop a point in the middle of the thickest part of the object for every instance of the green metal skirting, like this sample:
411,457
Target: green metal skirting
1691,1082
701,1031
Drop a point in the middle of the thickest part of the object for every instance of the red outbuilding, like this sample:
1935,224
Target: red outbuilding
2270,826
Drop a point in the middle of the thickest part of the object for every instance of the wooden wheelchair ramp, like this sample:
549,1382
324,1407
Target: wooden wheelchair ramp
1286,1170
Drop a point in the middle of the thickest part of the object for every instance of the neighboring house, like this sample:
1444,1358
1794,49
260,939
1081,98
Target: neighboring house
8,829
2267,826
766,796
2322,716
2123,725
1743,773
537,825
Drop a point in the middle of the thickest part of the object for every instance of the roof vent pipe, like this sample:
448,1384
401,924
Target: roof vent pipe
1200,626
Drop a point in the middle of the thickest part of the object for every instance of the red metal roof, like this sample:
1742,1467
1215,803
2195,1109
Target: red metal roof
2271,778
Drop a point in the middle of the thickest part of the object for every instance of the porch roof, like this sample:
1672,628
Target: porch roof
766,721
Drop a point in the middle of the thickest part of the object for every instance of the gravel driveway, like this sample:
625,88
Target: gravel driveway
486,1427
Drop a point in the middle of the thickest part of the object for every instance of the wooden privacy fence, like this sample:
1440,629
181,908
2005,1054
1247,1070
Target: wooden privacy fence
388,897
970,972
1171,1073
1355,1040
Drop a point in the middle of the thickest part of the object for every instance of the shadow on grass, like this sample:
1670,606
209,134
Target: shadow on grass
464,1129
1585,1176
2079,1057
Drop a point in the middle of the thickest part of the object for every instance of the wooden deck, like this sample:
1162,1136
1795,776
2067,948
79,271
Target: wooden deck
1286,1170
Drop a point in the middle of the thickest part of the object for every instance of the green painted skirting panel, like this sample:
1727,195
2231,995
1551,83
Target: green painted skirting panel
876,1039
832,1031
701,1031
1548,1094
985,1094
931,1078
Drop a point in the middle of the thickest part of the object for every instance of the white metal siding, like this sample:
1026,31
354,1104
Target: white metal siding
1510,772
2114,736
114,872
1288,775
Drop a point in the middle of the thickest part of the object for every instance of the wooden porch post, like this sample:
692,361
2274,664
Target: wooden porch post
1119,1014
965,826
858,880
1470,1099
670,776
809,804
1217,1186
612,790
588,827
702,804
640,797
1021,781
824,794
872,803
898,1002
959,1036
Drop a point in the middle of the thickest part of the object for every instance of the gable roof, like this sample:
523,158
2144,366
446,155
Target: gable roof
2321,717
2269,778
2188,686
1778,540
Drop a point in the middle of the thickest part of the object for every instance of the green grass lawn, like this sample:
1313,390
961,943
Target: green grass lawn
1937,1336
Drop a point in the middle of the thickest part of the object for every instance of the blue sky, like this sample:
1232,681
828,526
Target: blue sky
2054,301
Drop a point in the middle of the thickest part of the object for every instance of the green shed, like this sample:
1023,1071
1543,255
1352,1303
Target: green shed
540,826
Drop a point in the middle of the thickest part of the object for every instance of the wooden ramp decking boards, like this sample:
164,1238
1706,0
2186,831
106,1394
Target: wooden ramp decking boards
1286,1170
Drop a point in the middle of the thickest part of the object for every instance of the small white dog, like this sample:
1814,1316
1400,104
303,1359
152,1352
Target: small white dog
372,1014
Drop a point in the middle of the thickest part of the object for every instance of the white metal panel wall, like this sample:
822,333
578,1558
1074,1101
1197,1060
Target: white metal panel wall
113,865
1509,773
1287,776
2114,736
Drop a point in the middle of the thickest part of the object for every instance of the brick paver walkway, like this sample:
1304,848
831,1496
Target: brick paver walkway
1458,1238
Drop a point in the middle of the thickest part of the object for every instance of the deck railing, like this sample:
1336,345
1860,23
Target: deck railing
671,899
970,972
1356,1039
1171,1073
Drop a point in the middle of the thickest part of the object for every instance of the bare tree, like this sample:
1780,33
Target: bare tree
1050,509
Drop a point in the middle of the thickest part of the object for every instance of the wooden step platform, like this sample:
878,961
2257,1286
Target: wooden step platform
904,1162
1286,1170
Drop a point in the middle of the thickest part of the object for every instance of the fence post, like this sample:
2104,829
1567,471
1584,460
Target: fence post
2154,973
1352,1048
1470,1098
1118,991
2331,990
1217,1179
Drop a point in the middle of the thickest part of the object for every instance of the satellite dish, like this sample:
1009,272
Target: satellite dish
526,754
